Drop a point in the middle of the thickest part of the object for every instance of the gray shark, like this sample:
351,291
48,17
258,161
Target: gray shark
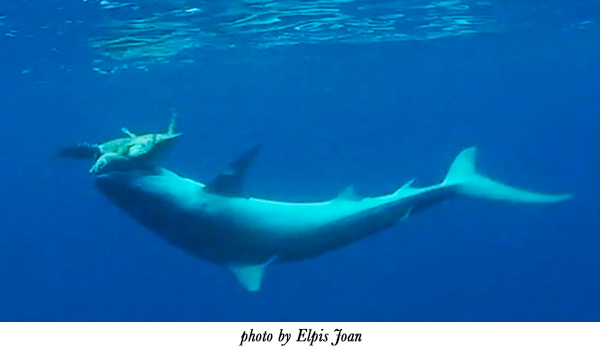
220,222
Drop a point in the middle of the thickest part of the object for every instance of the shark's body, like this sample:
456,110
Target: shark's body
221,223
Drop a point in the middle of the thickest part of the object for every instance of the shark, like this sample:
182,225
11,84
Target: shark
221,222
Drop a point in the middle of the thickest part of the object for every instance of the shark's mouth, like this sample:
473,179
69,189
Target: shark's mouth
124,190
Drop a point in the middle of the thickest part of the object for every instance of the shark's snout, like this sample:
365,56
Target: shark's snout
117,187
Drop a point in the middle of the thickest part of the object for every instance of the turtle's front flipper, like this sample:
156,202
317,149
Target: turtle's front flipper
80,151
127,132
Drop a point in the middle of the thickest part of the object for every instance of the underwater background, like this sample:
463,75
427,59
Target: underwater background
362,93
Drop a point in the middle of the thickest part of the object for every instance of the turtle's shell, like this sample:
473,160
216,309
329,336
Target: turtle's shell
119,146
136,146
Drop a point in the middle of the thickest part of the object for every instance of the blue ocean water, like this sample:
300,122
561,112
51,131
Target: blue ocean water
370,93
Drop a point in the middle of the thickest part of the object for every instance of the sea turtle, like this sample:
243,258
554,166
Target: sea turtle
122,153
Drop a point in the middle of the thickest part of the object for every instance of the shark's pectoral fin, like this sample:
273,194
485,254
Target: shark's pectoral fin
230,182
250,276
407,214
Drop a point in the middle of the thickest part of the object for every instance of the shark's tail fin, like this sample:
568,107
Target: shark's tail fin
464,177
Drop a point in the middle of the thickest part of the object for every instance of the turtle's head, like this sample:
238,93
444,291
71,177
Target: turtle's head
116,162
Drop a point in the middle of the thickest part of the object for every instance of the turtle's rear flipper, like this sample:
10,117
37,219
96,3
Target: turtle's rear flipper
80,151
171,130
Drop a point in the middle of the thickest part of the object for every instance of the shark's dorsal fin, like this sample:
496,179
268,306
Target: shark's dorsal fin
408,185
348,194
230,182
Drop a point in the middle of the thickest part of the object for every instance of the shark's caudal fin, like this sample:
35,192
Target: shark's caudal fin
464,177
